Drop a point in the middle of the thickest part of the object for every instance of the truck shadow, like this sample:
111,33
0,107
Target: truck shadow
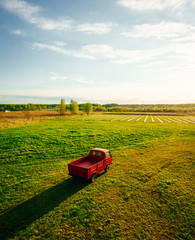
21,216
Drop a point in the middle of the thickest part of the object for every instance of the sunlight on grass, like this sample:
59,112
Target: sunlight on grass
146,194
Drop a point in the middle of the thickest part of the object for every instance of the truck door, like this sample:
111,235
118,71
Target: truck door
108,158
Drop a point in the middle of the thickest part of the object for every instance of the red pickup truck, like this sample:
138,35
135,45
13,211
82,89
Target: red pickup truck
89,166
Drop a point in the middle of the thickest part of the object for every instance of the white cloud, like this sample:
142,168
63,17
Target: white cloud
32,14
144,5
62,50
18,32
183,48
21,8
49,24
162,30
97,28
121,56
174,53
100,50
188,38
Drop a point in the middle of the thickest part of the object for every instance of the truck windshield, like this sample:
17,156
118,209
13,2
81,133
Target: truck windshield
94,153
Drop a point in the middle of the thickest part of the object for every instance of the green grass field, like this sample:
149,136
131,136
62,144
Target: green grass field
148,192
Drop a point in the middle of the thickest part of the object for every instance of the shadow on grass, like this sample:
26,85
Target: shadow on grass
24,214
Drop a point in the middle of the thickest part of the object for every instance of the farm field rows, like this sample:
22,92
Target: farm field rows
148,193
138,118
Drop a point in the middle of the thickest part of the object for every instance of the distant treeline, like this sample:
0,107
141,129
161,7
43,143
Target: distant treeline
113,107
37,107
147,107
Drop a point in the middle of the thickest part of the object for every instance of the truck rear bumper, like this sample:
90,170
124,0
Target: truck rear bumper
77,176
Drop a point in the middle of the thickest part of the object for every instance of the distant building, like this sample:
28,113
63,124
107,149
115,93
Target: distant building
5,111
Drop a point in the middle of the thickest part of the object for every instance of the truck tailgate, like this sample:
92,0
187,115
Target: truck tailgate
78,170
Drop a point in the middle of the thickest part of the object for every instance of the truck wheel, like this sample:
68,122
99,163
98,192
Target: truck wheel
107,168
93,178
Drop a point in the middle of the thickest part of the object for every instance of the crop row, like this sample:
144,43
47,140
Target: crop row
138,118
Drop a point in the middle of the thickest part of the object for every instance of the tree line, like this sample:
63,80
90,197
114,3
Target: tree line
183,108
75,107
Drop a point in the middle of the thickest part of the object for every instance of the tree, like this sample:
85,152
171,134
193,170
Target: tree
74,107
39,107
30,107
88,108
62,107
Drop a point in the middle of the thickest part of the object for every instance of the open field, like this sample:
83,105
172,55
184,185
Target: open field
16,119
148,192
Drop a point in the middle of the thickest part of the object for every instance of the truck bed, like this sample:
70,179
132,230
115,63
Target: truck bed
86,162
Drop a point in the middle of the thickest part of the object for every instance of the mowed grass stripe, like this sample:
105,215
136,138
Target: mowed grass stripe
159,119
185,119
146,119
139,118
132,118
124,119
181,120
168,120
115,119
165,119
173,120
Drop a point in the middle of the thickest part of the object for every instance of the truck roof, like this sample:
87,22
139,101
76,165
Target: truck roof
100,149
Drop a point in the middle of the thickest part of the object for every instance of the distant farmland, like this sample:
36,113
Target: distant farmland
148,193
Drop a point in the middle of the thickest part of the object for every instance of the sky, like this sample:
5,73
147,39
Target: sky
100,51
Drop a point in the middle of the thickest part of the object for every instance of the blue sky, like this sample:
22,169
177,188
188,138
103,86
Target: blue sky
102,51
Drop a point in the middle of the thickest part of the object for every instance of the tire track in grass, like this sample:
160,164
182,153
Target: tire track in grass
145,119
159,119
152,119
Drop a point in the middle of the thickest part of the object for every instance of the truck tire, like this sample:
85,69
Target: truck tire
93,178
107,168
